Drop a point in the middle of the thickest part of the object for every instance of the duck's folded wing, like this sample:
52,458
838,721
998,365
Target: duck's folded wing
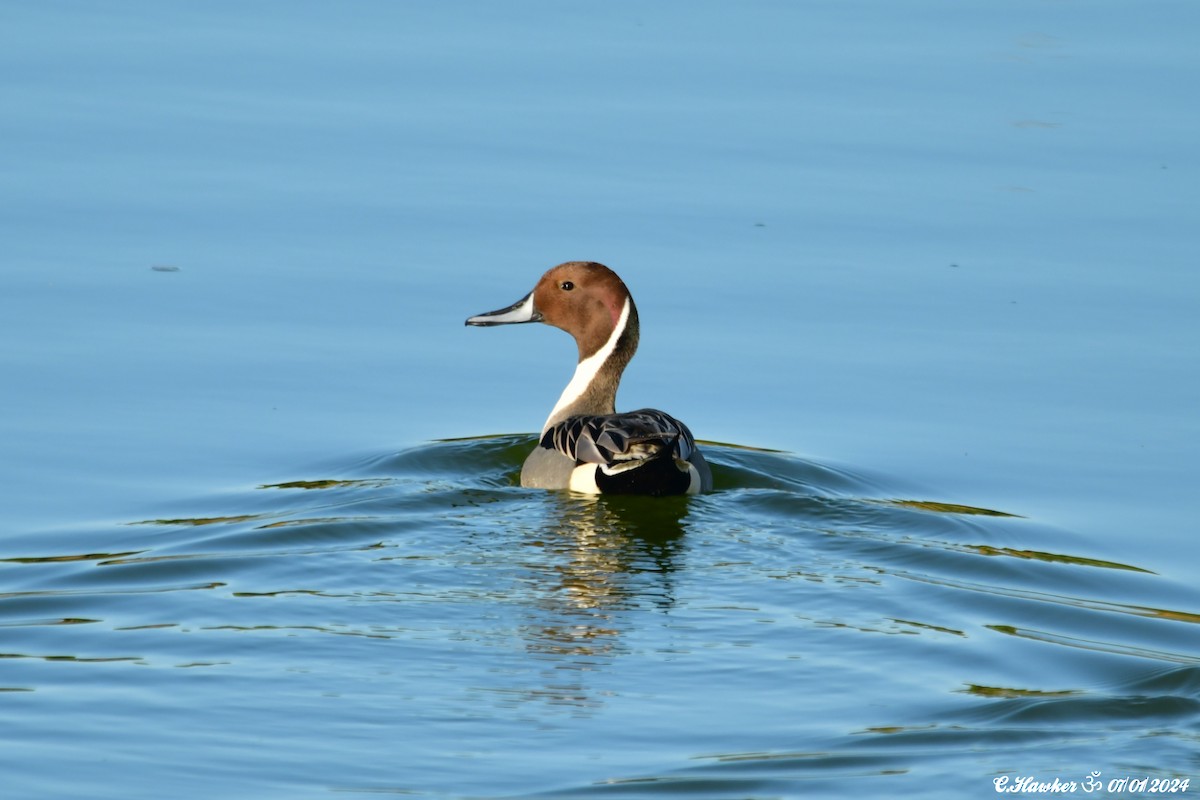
620,441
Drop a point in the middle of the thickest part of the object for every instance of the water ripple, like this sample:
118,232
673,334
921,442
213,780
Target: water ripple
828,625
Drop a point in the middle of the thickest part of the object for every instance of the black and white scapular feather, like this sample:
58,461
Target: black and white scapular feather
637,452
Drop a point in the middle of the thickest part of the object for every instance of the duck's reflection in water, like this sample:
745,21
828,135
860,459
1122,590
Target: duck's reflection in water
597,564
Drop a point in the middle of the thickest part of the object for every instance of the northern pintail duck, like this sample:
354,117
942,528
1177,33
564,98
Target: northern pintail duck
586,445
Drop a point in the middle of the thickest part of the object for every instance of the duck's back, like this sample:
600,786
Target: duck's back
638,452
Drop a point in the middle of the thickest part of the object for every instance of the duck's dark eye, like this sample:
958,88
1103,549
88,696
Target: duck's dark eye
566,286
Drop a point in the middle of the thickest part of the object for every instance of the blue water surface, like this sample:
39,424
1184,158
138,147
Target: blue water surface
926,271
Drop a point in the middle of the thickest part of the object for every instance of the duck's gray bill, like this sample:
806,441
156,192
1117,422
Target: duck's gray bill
520,311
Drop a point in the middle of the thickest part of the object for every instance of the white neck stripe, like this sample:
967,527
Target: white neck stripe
586,370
